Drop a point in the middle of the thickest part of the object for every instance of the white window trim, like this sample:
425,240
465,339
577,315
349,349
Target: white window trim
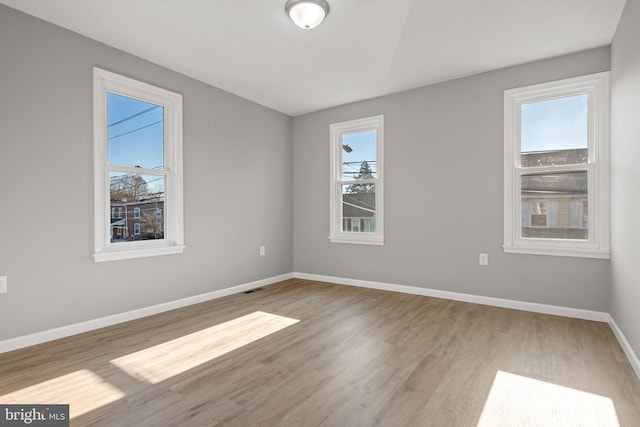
136,213
173,243
336,130
597,167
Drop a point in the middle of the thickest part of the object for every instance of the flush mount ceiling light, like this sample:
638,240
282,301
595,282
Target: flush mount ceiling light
307,14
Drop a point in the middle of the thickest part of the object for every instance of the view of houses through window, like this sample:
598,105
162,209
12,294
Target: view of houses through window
359,168
554,157
357,181
136,140
555,205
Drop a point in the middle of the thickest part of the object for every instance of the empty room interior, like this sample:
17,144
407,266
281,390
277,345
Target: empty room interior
320,213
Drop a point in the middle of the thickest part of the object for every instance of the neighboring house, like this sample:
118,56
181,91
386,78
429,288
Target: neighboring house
137,220
358,212
554,205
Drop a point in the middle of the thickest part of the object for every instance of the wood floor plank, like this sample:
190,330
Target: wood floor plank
307,353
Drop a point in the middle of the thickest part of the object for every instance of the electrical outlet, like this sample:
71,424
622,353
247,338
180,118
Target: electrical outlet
483,259
3,284
263,251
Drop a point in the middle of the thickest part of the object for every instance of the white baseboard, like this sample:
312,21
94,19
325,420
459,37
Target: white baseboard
476,299
90,325
577,313
626,347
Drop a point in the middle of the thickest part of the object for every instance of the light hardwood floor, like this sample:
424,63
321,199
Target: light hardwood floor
304,353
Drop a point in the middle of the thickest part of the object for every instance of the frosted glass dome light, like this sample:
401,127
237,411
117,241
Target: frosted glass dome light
307,14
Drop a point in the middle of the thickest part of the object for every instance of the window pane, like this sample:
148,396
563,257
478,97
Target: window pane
359,208
135,200
135,132
359,155
554,131
554,205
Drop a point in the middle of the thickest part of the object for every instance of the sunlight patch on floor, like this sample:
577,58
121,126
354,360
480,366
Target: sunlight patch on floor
82,390
515,400
163,361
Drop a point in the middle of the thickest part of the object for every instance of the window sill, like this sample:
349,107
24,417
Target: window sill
552,251
129,253
358,240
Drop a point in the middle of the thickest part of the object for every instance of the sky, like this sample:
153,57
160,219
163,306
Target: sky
135,132
554,124
363,145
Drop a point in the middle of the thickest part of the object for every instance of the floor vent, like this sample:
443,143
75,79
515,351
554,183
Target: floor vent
252,290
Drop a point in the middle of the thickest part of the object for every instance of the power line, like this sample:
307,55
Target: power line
133,116
142,210
135,130
370,163
119,177
359,207
135,173
357,201
132,186
148,199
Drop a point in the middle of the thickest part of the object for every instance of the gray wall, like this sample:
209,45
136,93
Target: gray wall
238,191
443,194
443,153
625,218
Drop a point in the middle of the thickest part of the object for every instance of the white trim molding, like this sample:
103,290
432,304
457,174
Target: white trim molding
576,313
91,325
338,132
596,168
105,83
626,347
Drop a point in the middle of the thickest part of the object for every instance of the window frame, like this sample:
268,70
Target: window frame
336,131
596,86
104,250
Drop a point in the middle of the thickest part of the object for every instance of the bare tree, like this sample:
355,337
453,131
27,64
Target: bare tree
129,186
365,173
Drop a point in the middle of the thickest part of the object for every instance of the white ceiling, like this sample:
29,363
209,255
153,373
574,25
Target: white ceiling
365,48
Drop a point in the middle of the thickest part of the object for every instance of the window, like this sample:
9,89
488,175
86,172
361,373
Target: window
357,181
538,210
137,161
556,178
359,224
